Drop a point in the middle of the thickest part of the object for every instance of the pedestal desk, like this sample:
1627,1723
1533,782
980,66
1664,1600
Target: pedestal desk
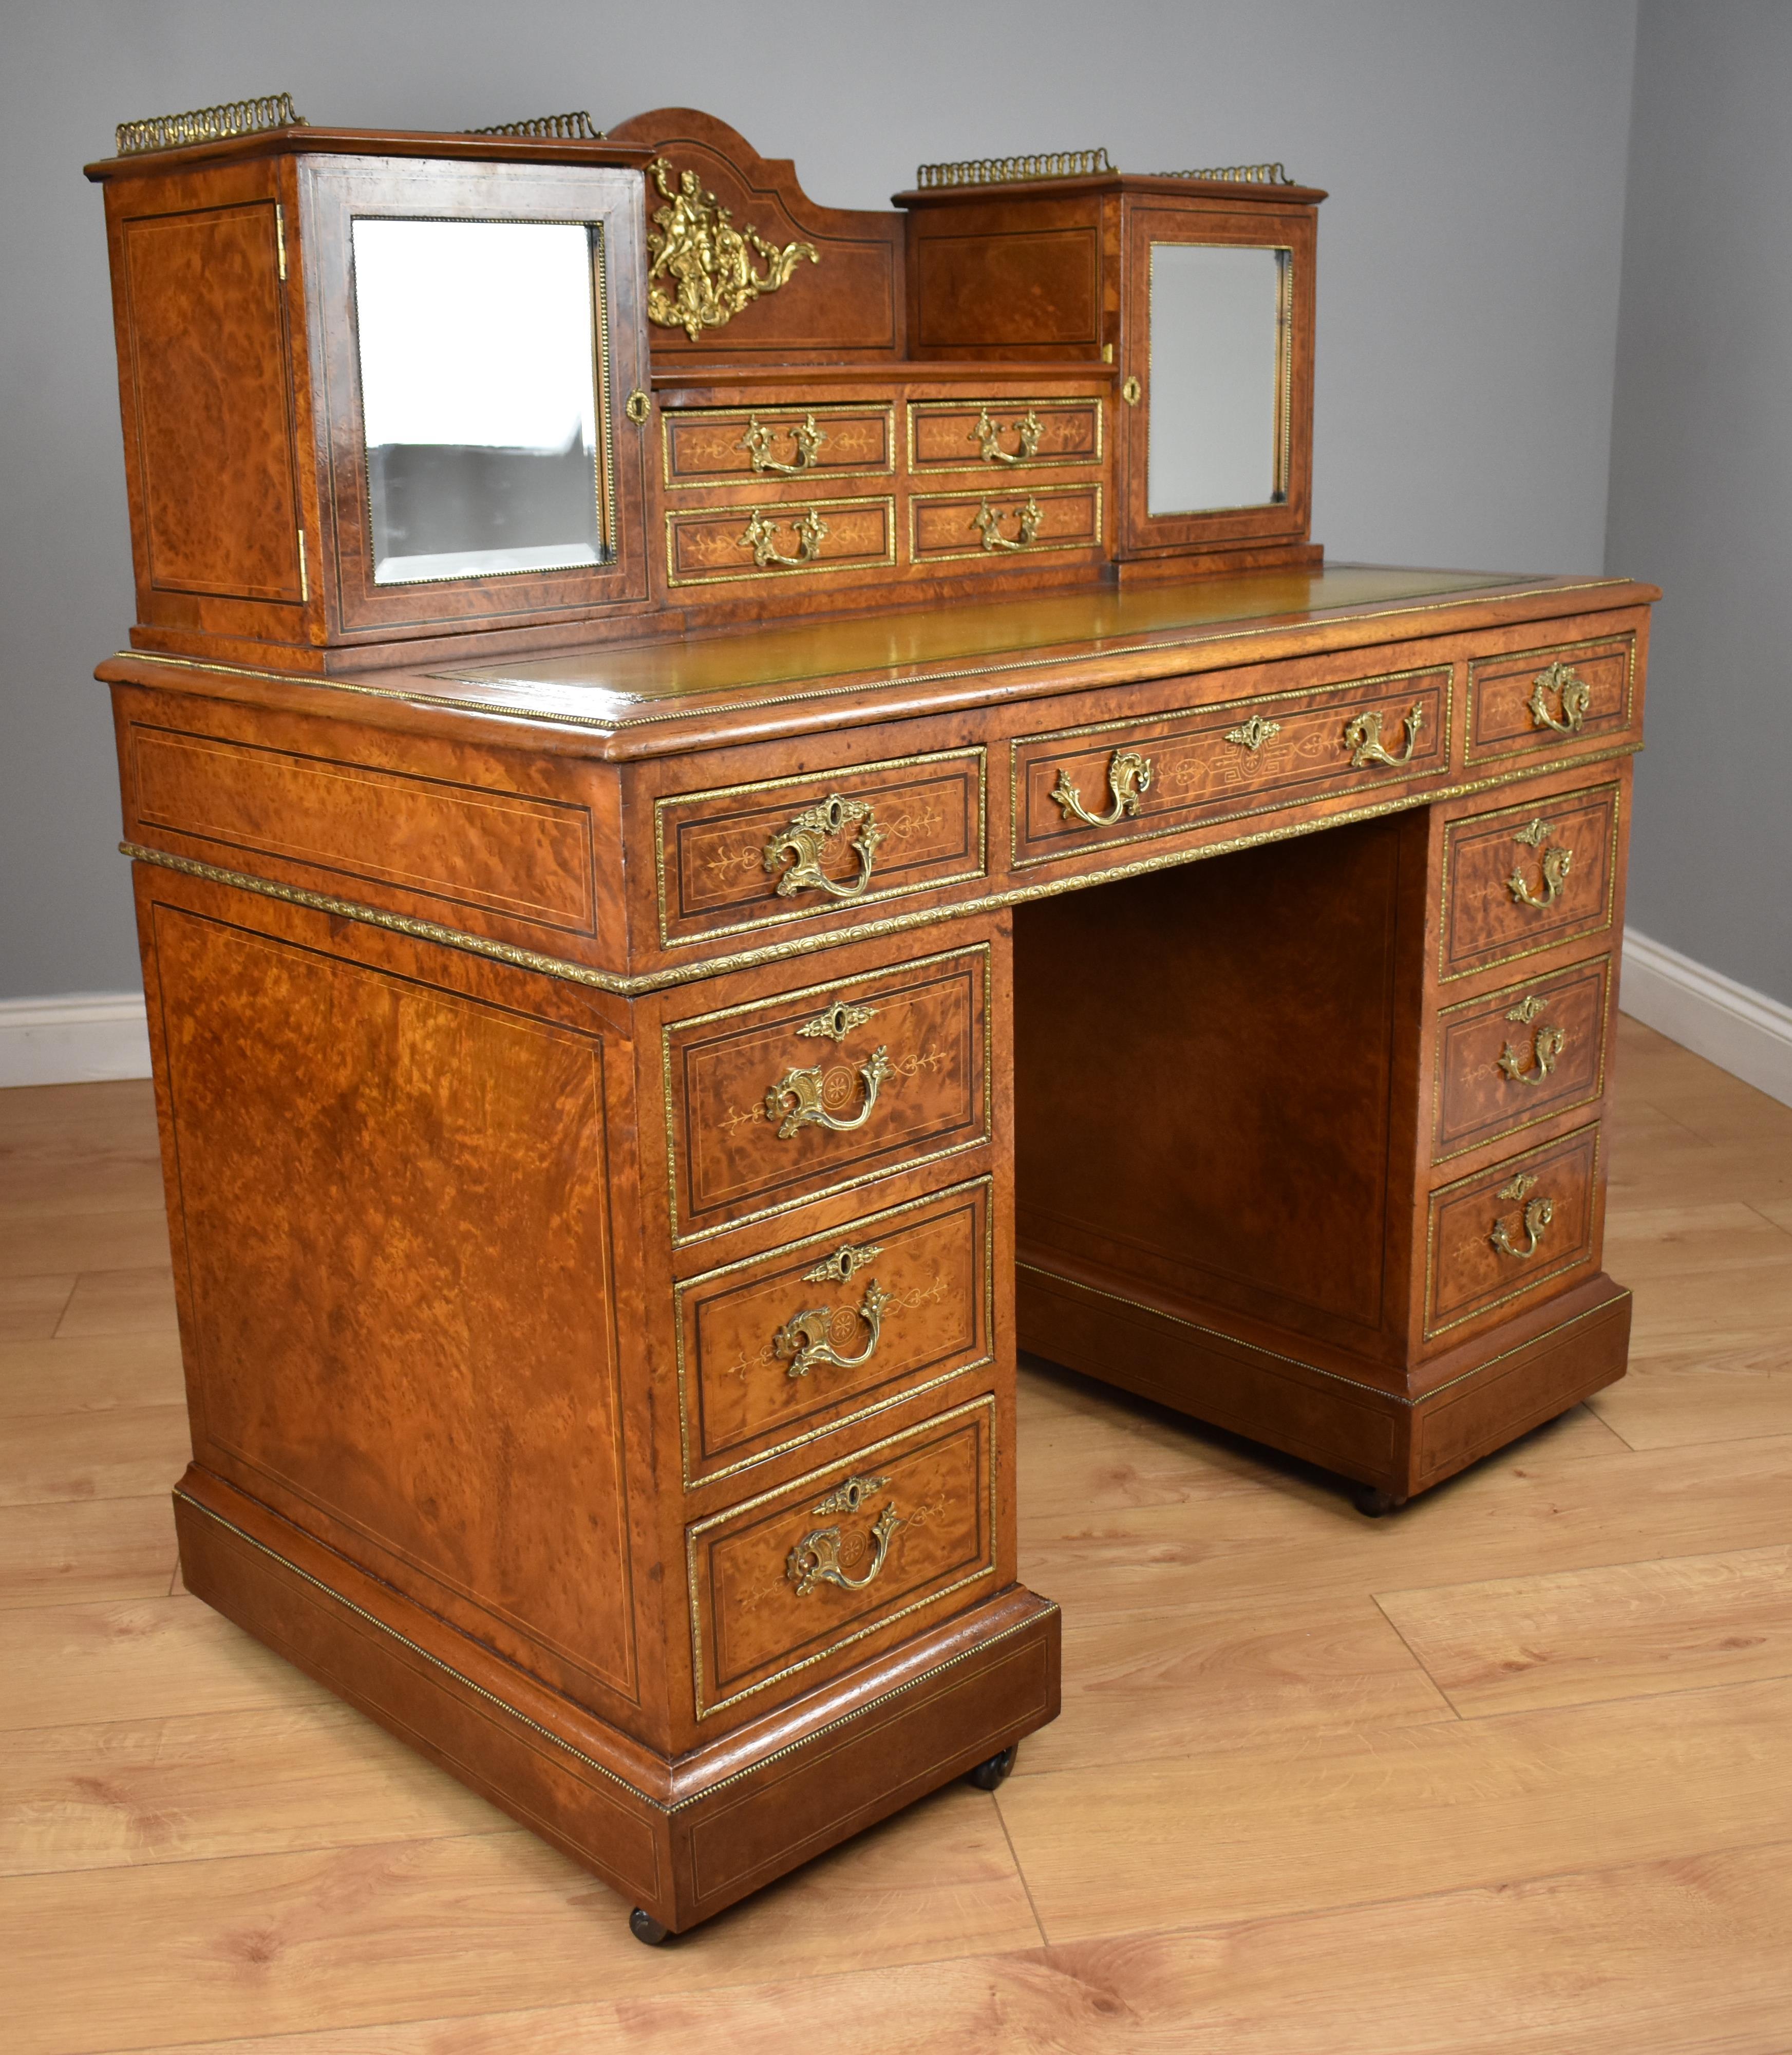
629,1075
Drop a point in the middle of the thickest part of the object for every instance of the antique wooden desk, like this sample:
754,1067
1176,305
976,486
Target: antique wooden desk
630,1072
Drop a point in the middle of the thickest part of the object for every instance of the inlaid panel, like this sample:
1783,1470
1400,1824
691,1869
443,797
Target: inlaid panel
1547,702
393,1205
1005,522
1132,781
1003,433
783,1582
1501,1234
792,849
783,538
749,445
782,1100
1522,878
1519,1055
821,1334
466,844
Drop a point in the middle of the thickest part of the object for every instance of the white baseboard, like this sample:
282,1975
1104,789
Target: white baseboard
75,1040
1741,1030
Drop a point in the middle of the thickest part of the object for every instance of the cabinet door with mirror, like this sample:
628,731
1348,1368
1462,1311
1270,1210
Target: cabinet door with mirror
481,335
1218,396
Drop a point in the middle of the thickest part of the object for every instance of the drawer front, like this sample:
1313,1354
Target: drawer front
1543,702
744,445
1004,523
999,435
786,1581
1508,1233
1133,781
1514,1057
826,1332
1526,877
772,1104
778,539
790,849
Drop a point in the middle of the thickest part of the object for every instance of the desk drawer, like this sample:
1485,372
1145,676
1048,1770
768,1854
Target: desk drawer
792,849
795,1098
779,536
1547,702
1000,436
1000,523
1504,1234
1514,1057
1523,878
1132,781
766,445
823,1333
782,1582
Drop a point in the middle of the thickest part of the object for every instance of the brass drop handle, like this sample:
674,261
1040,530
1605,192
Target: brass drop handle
988,519
798,1099
816,1559
760,537
1129,780
987,433
757,442
1554,861
1537,1214
1574,696
1546,1045
1362,737
806,837
804,1338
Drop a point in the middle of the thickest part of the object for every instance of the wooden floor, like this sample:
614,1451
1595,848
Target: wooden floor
1511,1771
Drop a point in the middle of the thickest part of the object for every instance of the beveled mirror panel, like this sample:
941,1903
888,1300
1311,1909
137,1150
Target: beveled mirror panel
1221,317
481,348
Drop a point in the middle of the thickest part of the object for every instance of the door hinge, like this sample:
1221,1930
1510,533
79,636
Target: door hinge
280,237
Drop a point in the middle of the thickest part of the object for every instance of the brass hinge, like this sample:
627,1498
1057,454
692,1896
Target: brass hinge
280,237
305,581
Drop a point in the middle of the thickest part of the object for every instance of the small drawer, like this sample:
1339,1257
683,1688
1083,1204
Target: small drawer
1506,1233
787,1100
757,855
1514,1057
1004,524
1544,702
823,1333
778,539
784,1582
746,445
1133,781
1526,877
1002,435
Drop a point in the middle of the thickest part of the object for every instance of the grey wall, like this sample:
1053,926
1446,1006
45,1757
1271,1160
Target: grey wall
1701,495
1469,261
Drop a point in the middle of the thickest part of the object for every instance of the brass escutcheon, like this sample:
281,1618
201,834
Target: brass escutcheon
1131,392
987,433
1573,696
804,1338
803,840
799,1098
1129,776
1362,737
1254,733
637,406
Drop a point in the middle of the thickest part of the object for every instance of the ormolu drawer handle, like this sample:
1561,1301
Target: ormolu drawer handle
988,519
1362,737
1554,861
797,1100
1537,1214
988,432
757,442
816,1559
1546,1045
761,538
804,1337
810,834
1129,780
1573,696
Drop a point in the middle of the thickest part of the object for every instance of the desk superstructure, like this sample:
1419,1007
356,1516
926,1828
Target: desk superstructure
634,1045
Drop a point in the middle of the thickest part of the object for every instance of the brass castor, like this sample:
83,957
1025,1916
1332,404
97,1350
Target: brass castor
646,1928
1371,1501
987,1775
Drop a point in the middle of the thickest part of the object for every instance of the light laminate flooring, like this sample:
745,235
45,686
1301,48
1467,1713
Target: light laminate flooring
1510,1771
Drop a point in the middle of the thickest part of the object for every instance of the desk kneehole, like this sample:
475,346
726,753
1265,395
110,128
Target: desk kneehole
902,1529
